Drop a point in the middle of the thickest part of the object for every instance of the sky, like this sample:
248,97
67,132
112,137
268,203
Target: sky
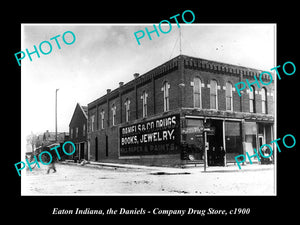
105,54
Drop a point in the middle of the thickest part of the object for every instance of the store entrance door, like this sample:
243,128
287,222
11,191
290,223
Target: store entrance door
81,156
216,151
96,149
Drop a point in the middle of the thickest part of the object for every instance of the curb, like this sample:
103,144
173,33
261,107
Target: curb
111,165
155,170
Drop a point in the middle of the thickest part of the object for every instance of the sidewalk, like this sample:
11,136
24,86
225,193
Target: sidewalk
172,170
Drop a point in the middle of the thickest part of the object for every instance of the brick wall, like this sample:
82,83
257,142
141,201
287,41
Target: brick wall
205,78
152,82
103,107
270,89
131,97
108,138
173,80
91,112
149,88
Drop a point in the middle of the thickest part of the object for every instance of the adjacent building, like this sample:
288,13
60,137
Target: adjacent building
78,132
47,140
158,116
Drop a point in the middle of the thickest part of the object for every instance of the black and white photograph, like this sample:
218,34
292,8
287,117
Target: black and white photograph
162,109
132,113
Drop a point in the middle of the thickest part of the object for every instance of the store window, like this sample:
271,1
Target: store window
233,139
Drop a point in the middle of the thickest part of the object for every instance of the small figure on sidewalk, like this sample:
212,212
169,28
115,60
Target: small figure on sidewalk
52,164
212,156
266,153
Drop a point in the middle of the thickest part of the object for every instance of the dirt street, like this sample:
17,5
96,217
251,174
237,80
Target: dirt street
83,180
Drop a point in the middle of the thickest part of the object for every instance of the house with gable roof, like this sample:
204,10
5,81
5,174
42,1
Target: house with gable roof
78,132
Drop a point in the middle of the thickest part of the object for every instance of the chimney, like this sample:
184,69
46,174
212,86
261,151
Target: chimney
108,90
121,84
136,75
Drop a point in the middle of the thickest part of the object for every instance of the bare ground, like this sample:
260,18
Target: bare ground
83,180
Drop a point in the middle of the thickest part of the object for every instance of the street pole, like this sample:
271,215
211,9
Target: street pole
205,150
56,115
179,41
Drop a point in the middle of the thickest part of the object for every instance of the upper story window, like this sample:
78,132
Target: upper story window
252,100
71,132
127,110
229,105
114,114
76,134
92,122
144,99
213,94
166,87
264,100
102,118
197,92
83,129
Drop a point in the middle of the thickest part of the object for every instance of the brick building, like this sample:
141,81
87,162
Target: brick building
78,132
152,118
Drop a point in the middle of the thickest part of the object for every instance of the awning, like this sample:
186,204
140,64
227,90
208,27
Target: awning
260,118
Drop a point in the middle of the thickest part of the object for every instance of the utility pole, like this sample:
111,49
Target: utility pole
205,150
56,114
180,41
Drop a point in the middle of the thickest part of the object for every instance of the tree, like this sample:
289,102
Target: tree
31,139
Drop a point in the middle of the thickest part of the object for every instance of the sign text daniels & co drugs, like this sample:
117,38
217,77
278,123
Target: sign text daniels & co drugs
158,136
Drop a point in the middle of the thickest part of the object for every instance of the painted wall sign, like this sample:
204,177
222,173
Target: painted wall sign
164,130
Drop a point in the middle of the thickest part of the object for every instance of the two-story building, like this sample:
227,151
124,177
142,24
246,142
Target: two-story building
78,132
48,138
152,118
